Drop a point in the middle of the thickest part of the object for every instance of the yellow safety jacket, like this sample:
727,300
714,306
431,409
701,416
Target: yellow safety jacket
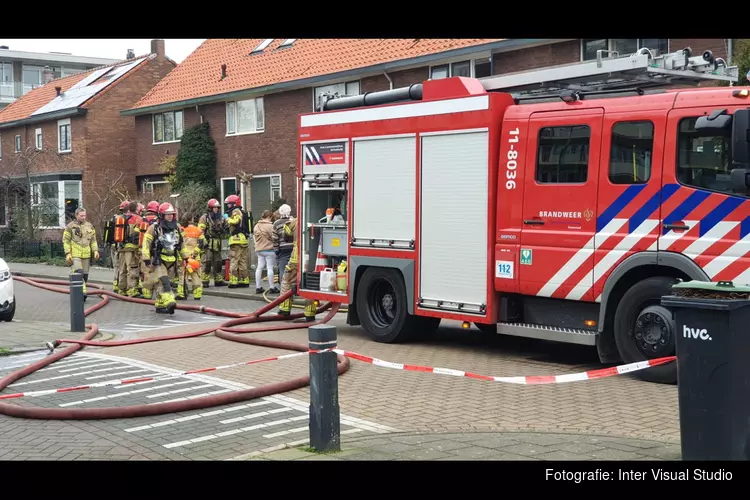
236,231
169,243
193,242
79,240
290,228
213,237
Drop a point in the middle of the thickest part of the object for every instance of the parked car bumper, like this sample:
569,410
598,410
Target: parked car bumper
7,290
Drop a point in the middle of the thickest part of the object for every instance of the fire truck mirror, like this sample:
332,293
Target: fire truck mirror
741,138
717,120
740,180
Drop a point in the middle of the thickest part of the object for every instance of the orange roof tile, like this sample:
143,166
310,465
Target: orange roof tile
199,75
40,96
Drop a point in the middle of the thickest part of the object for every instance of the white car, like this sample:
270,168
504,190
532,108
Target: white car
7,293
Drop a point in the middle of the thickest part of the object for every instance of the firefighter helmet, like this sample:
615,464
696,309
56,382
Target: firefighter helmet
232,199
166,208
140,208
153,206
124,205
214,203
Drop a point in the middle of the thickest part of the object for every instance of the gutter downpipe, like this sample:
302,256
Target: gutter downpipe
390,82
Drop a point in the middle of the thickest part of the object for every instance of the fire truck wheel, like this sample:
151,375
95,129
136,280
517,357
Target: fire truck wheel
644,329
381,306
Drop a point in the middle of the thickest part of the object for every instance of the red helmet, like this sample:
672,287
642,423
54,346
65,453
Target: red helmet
214,203
124,205
140,208
153,206
232,199
166,208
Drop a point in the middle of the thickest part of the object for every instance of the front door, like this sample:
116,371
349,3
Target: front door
559,207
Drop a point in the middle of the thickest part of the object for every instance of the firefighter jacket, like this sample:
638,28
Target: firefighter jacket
162,243
193,242
214,228
238,227
291,227
133,235
79,240
283,238
263,235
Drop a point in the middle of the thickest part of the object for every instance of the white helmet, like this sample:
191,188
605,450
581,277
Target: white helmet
285,210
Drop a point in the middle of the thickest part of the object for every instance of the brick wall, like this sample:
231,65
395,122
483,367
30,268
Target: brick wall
109,148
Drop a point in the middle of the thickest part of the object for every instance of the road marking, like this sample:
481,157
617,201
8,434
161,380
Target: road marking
203,415
235,431
284,433
195,396
256,415
74,403
127,372
178,391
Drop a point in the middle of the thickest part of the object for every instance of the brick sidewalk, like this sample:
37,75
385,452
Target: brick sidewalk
21,336
481,446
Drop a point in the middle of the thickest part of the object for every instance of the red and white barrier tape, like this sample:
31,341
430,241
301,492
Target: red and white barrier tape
526,380
523,380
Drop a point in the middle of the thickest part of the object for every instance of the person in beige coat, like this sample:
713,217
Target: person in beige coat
263,237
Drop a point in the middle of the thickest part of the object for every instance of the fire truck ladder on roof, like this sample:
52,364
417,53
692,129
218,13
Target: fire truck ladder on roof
616,74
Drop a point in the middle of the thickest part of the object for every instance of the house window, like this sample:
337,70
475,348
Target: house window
168,126
471,68
38,136
563,155
18,143
55,202
64,142
157,189
631,152
336,89
623,46
246,116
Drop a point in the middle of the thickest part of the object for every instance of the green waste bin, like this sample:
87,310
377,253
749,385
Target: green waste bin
712,342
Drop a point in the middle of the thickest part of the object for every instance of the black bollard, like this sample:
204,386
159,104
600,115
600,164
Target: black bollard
325,423
77,317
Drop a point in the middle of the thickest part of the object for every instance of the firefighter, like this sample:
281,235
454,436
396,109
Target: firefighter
194,243
239,229
160,250
149,279
282,241
112,246
79,242
289,281
215,230
127,256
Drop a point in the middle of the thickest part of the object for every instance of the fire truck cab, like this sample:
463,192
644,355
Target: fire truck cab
558,204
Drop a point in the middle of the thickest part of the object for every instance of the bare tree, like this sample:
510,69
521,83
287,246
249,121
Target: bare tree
39,210
192,200
105,201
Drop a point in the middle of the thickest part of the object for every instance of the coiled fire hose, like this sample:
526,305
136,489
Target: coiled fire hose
229,330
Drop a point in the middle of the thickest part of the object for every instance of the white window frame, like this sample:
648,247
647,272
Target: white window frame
60,124
181,126
38,142
149,186
610,47
271,186
17,143
35,191
472,60
224,195
232,105
346,84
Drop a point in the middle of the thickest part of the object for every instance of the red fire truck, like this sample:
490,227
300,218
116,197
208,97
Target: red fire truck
557,204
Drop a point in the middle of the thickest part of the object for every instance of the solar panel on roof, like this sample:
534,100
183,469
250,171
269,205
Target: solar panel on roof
287,42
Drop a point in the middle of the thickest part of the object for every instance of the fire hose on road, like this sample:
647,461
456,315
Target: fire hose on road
230,330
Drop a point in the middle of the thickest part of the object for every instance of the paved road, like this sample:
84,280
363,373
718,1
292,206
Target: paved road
384,399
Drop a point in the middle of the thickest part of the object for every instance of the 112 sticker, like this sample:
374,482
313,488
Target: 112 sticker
504,269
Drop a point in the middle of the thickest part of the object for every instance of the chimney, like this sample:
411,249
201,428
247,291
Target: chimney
223,71
131,54
47,75
57,90
157,47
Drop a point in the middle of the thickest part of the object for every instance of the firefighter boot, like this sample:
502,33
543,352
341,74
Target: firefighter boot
244,282
165,303
285,308
310,310
146,293
133,292
180,292
233,281
197,293
206,278
115,288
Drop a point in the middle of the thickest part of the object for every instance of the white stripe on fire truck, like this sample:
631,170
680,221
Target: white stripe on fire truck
580,257
667,240
611,258
476,103
738,250
716,233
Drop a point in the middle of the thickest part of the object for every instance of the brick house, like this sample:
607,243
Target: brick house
251,91
69,137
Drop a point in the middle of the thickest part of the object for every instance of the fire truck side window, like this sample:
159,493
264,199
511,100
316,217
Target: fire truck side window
703,159
563,154
630,155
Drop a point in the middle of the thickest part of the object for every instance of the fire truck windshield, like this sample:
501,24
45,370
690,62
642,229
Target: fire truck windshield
704,157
